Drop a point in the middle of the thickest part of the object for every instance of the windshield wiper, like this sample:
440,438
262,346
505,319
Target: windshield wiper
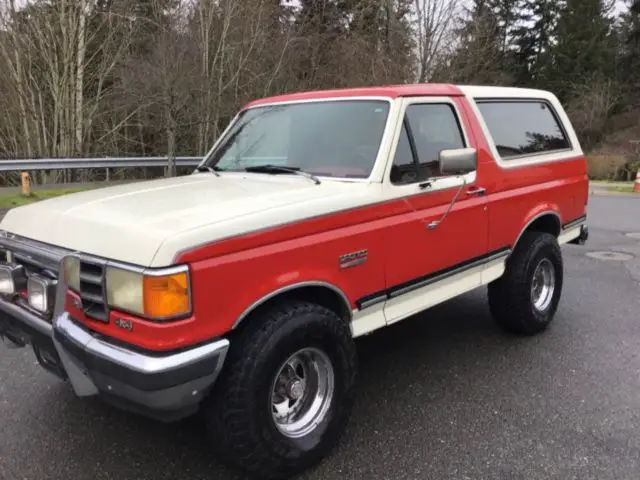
206,168
268,168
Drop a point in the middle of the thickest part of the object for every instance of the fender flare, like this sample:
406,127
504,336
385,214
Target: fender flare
536,217
290,288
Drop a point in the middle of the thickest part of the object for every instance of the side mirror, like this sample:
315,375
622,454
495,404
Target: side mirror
459,161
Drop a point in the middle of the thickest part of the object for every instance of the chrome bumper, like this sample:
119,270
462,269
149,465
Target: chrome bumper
163,386
166,386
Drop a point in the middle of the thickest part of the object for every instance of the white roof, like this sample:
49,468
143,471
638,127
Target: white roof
476,91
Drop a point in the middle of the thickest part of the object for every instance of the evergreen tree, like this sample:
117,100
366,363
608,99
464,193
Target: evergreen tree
479,55
630,51
534,41
367,35
509,15
585,46
385,23
326,17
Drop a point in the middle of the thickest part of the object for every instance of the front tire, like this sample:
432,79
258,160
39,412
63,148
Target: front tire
525,299
287,391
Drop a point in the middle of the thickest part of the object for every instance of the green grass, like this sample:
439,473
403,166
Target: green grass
16,200
621,189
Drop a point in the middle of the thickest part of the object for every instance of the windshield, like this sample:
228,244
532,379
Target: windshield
331,138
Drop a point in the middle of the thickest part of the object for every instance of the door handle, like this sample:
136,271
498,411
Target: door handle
476,191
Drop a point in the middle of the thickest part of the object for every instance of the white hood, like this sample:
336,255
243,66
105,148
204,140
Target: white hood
148,223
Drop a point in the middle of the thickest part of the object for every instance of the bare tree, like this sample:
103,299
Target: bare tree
591,107
60,85
241,50
162,82
433,25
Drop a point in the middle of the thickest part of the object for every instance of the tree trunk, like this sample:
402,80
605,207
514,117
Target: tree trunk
172,127
79,94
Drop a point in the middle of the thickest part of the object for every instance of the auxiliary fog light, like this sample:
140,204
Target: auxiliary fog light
13,279
41,293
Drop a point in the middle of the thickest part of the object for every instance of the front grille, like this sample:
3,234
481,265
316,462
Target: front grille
34,267
92,290
43,259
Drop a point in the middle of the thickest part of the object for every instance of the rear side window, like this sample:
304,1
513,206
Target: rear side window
521,128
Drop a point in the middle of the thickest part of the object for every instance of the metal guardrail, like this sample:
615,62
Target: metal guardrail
27,165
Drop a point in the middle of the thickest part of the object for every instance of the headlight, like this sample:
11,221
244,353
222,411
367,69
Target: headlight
13,279
157,295
6,256
124,290
41,293
72,273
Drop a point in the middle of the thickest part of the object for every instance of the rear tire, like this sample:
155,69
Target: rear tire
292,357
525,299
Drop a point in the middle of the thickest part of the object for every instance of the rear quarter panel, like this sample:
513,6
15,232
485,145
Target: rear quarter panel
518,194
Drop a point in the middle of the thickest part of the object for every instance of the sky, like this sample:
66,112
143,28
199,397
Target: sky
619,6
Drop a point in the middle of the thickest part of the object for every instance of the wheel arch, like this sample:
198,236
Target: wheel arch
322,293
547,221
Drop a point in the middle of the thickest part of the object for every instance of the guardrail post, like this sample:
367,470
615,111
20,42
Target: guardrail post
25,184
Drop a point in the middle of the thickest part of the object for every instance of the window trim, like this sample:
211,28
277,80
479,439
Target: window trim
406,127
529,159
554,114
382,146
441,183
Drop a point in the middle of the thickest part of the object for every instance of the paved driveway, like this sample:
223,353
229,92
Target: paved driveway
443,396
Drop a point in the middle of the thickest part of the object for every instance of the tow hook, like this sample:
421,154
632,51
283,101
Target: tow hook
50,361
10,339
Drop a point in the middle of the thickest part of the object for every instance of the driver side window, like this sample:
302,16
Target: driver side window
427,129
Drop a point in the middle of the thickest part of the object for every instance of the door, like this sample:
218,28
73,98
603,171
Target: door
438,239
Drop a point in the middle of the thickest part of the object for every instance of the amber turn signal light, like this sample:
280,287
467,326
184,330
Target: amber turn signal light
166,296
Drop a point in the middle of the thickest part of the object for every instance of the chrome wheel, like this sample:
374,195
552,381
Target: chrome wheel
543,286
302,392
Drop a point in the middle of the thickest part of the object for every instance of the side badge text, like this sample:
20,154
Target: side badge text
352,259
124,324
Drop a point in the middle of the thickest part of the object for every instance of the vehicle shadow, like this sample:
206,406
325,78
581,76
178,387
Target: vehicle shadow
408,374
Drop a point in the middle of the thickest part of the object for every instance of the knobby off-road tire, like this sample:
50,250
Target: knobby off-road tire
525,299
241,418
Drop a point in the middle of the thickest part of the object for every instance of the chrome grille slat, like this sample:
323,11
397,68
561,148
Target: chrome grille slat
91,297
92,290
90,278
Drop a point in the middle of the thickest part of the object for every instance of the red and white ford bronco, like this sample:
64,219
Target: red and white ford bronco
316,218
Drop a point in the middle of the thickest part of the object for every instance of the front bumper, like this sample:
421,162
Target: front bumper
165,386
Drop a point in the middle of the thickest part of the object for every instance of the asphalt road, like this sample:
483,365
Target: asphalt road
445,395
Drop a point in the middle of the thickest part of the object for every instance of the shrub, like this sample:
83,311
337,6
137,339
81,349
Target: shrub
607,167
